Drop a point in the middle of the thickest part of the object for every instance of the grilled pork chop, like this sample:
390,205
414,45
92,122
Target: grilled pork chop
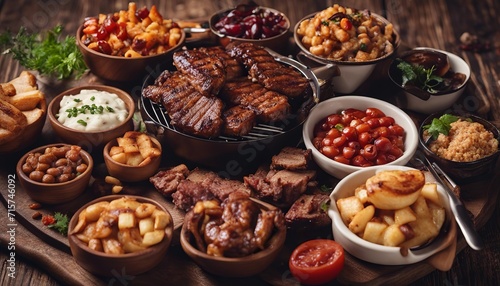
233,68
207,73
238,121
263,68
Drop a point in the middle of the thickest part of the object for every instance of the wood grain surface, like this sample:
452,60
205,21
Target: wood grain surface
437,24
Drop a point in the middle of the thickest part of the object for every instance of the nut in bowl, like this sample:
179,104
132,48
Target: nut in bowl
126,45
400,234
90,116
465,146
239,256
133,157
431,80
350,133
56,173
120,233
346,37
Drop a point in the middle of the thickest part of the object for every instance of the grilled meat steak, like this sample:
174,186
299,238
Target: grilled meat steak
263,68
238,121
233,68
167,181
207,73
291,158
307,212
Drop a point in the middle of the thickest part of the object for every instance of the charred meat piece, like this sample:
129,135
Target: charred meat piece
307,211
238,121
189,193
267,71
291,158
221,188
207,73
234,69
269,106
166,181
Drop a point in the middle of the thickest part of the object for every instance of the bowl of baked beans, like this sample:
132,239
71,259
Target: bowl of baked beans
128,44
354,40
350,133
55,173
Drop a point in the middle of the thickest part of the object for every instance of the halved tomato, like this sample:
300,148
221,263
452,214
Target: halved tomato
317,261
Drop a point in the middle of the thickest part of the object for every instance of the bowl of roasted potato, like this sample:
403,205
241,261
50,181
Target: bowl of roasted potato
55,173
92,115
133,157
120,234
391,215
129,44
23,109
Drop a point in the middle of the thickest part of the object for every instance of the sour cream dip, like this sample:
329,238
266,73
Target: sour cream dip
92,110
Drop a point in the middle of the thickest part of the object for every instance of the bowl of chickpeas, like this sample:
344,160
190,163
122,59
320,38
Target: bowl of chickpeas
55,173
353,40
129,44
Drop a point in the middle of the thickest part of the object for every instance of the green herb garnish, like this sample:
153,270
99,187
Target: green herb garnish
325,206
441,125
362,47
339,127
325,23
47,53
61,224
82,122
419,76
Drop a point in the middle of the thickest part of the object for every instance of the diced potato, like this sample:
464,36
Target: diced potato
362,194
348,208
420,207
149,152
112,246
121,158
131,134
95,244
126,220
393,236
162,219
374,231
386,216
144,141
124,141
33,115
429,191
115,150
153,237
134,159
438,215
360,220
146,225
424,229
404,215
130,148
26,100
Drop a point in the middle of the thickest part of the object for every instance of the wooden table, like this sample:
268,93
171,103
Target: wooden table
437,24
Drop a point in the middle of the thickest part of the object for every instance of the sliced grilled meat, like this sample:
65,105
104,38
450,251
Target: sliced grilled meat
234,69
166,181
238,121
307,211
291,158
268,105
207,73
263,68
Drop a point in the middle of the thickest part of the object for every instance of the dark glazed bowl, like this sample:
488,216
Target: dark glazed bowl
462,171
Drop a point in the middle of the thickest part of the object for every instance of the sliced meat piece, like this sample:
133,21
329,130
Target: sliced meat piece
307,211
234,69
291,158
207,73
218,186
238,121
166,181
189,193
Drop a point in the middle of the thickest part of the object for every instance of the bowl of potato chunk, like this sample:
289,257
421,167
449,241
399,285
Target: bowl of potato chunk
126,234
391,215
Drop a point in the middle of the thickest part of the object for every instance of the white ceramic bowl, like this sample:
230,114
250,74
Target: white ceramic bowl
440,101
336,105
372,252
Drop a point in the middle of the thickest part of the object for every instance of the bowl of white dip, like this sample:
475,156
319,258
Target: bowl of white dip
90,116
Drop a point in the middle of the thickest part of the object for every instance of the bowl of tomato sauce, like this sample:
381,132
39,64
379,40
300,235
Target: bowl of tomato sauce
350,133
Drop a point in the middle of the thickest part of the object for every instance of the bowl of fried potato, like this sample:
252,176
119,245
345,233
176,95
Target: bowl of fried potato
391,215
120,234
133,157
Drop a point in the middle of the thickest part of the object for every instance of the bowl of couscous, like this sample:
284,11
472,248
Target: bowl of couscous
465,146
354,40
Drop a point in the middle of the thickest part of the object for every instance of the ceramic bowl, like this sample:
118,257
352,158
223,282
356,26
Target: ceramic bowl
127,173
461,171
55,193
336,105
376,253
125,69
134,263
435,102
235,267
276,43
351,74
94,140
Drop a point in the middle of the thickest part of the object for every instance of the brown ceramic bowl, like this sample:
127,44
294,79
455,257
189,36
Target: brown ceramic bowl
276,43
123,69
127,173
461,171
95,140
55,193
235,267
134,263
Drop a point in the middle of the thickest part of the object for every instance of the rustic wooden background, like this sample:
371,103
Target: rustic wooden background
432,23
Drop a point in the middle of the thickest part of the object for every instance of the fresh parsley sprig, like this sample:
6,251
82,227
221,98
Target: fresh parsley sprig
419,76
61,223
441,125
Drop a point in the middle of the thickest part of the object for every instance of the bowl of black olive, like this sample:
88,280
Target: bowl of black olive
431,80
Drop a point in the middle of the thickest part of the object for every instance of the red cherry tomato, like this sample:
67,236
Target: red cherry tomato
317,261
